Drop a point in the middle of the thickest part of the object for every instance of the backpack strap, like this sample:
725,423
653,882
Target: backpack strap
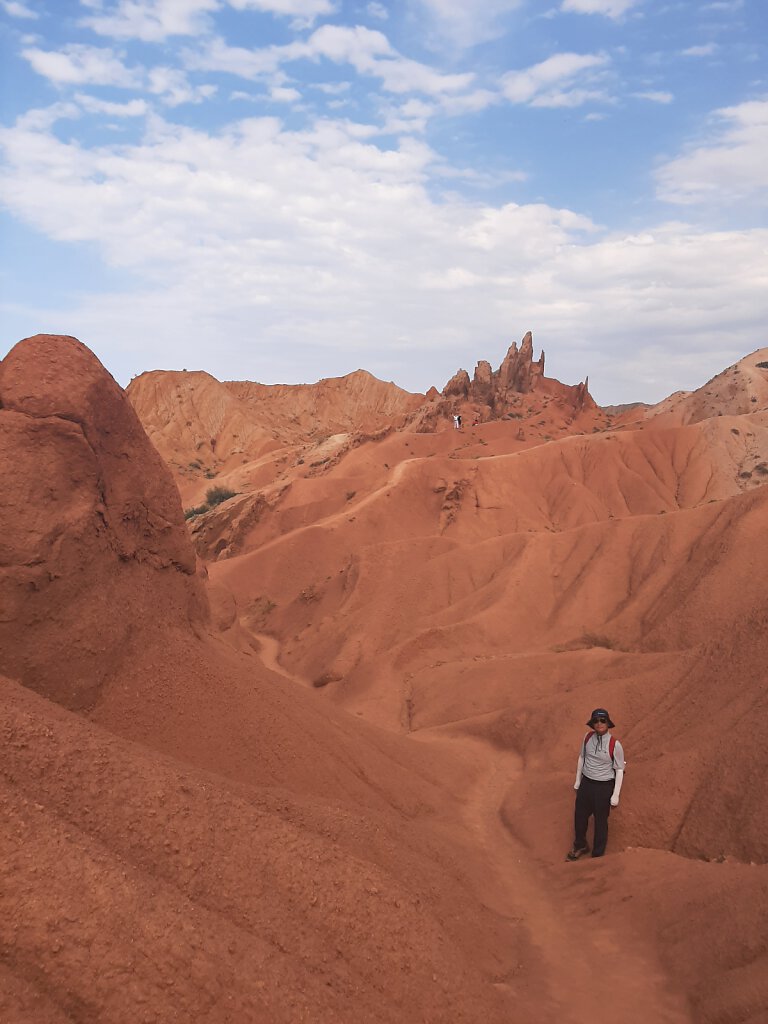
611,745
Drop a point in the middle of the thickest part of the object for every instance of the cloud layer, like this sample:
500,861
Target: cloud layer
274,190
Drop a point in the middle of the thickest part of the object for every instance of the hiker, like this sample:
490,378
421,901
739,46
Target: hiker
457,421
599,775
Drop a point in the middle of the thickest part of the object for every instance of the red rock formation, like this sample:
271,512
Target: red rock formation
518,371
93,544
518,374
458,386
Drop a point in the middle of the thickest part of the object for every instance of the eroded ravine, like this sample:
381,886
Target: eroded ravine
568,957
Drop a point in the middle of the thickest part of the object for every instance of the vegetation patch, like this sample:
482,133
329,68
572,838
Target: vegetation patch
215,495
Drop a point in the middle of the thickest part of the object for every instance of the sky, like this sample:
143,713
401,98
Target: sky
286,190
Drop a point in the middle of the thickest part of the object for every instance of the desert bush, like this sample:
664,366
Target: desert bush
763,366
190,513
215,495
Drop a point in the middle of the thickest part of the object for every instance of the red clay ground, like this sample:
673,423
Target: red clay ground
328,776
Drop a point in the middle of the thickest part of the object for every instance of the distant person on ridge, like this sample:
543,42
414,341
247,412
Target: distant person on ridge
599,775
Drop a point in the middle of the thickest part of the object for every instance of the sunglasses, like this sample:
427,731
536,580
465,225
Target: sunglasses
600,718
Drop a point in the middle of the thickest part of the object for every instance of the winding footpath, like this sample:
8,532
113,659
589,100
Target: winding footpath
581,970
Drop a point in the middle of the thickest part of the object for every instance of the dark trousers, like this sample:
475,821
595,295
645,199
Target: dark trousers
592,798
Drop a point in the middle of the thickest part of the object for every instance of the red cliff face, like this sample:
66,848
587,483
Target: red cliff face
93,546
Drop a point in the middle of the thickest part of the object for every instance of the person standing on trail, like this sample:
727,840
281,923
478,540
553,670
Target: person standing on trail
599,776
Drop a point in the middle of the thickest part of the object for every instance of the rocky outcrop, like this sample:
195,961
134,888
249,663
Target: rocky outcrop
458,386
518,374
93,547
518,371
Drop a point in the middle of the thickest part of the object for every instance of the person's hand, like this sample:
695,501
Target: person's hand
577,784
614,801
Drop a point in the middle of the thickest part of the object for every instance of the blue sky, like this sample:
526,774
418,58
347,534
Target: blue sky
283,190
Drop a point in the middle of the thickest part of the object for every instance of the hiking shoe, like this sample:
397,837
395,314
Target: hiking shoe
576,852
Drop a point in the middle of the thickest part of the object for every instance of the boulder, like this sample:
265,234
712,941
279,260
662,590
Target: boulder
93,546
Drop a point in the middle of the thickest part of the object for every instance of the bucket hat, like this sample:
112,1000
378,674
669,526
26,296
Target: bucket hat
601,712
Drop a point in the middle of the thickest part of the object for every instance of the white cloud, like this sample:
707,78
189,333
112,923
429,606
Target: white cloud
307,10
411,116
174,88
377,10
155,20
333,88
700,51
151,20
728,166
366,50
14,9
552,83
78,64
608,8
654,96
284,94
465,23
334,252
93,105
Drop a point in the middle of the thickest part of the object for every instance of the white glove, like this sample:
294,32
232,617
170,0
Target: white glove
614,801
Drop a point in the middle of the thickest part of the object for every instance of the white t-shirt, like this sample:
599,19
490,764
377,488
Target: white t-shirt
598,764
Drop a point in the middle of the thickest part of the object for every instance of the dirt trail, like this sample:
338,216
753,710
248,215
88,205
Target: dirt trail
394,477
269,655
572,951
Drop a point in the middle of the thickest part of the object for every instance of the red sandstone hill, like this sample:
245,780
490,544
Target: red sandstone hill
204,428
249,436
346,794
205,843
736,391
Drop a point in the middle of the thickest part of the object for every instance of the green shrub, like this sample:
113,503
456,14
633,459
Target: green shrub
190,513
215,495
